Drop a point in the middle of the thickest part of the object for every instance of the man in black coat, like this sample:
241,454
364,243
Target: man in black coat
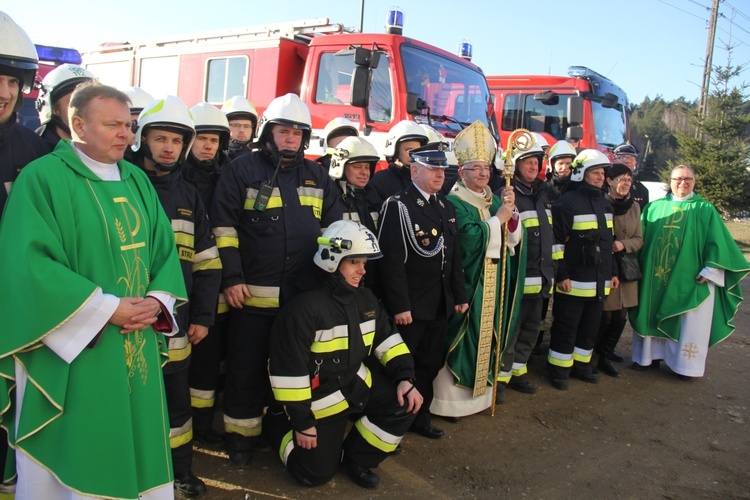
626,154
421,272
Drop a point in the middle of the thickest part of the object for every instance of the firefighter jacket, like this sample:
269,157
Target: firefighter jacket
390,181
535,213
18,147
584,227
199,259
267,250
203,176
237,149
557,186
319,344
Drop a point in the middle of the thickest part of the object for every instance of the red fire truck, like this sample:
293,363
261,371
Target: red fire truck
49,59
375,80
584,107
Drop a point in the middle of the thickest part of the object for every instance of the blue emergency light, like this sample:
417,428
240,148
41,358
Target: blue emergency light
58,55
465,49
394,24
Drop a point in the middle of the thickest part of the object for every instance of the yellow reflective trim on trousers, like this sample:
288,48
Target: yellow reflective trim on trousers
581,358
202,403
560,359
331,410
287,445
396,350
247,427
519,372
504,378
372,439
287,395
314,202
262,302
183,439
180,353
206,265
227,241
337,344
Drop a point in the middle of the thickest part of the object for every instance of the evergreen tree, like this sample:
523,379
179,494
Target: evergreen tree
652,136
719,155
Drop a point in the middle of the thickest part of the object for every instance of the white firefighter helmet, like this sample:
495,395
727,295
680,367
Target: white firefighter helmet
475,143
289,111
18,57
240,108
535,150
59,82
208,119
586,159
337,127
139,98
405,130
345,239
352,150
561,149
539,138
432,134
169,114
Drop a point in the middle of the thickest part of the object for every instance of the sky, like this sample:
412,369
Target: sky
647,47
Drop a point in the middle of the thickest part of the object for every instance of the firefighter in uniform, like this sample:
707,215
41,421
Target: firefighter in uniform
403,137
560,157
351,166
18,144
201,170
319,346
164,135
535,212
421,272
334,132
583,226
626,154
243,119
54,98
269,207
139,99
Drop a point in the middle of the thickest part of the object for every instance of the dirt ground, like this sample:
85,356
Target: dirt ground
644,435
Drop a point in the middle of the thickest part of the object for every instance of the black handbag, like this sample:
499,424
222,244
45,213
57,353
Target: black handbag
630,269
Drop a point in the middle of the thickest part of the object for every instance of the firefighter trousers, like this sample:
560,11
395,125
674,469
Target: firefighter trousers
375,434
426,342
247,389
177,389
525,333
575,326
205,367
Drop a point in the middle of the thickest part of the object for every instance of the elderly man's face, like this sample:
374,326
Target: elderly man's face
475,174
594,176
103,133
682,182
429,179
629,160
527,169
9,91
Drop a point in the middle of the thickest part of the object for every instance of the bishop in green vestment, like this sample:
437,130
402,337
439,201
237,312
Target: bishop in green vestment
690,289
83,403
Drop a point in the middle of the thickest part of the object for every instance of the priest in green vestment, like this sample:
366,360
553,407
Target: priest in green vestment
91,274
464,385
690,289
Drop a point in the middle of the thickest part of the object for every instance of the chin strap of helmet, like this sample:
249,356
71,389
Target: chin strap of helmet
145,152
56,121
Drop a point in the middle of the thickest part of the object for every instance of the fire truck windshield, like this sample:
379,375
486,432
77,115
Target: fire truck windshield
609,124
455,94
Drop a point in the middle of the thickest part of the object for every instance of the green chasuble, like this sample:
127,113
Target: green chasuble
471,338
680,238
99,424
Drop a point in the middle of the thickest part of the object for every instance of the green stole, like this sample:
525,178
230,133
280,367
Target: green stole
680,239
99,424
471,338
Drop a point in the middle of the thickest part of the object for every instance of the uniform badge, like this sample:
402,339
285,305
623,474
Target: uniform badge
420,202
441,203
426,242
434,231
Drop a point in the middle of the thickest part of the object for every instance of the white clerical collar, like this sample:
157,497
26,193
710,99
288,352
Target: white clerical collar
105,171
425,194
679,198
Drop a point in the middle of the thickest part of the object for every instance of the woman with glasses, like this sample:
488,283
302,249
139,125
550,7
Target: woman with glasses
690,289
628,239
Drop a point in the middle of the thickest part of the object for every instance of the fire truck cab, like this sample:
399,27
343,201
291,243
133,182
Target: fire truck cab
584,108
375,80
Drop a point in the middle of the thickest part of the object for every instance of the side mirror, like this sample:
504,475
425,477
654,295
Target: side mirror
360,87
414,104
548,98
366,57
575,110
574,133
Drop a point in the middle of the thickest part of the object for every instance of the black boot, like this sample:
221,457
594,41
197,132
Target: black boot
608,340
362,476
606,366
585,372
189,485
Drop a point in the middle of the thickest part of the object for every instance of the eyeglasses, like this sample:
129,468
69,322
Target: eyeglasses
240,126
687,180
477,169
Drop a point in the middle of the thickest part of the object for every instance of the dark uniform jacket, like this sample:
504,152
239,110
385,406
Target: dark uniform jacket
203,176
639,193
237,149
583,224
535,213
268,250
199,258
319,343
389,181
421,268
18,147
